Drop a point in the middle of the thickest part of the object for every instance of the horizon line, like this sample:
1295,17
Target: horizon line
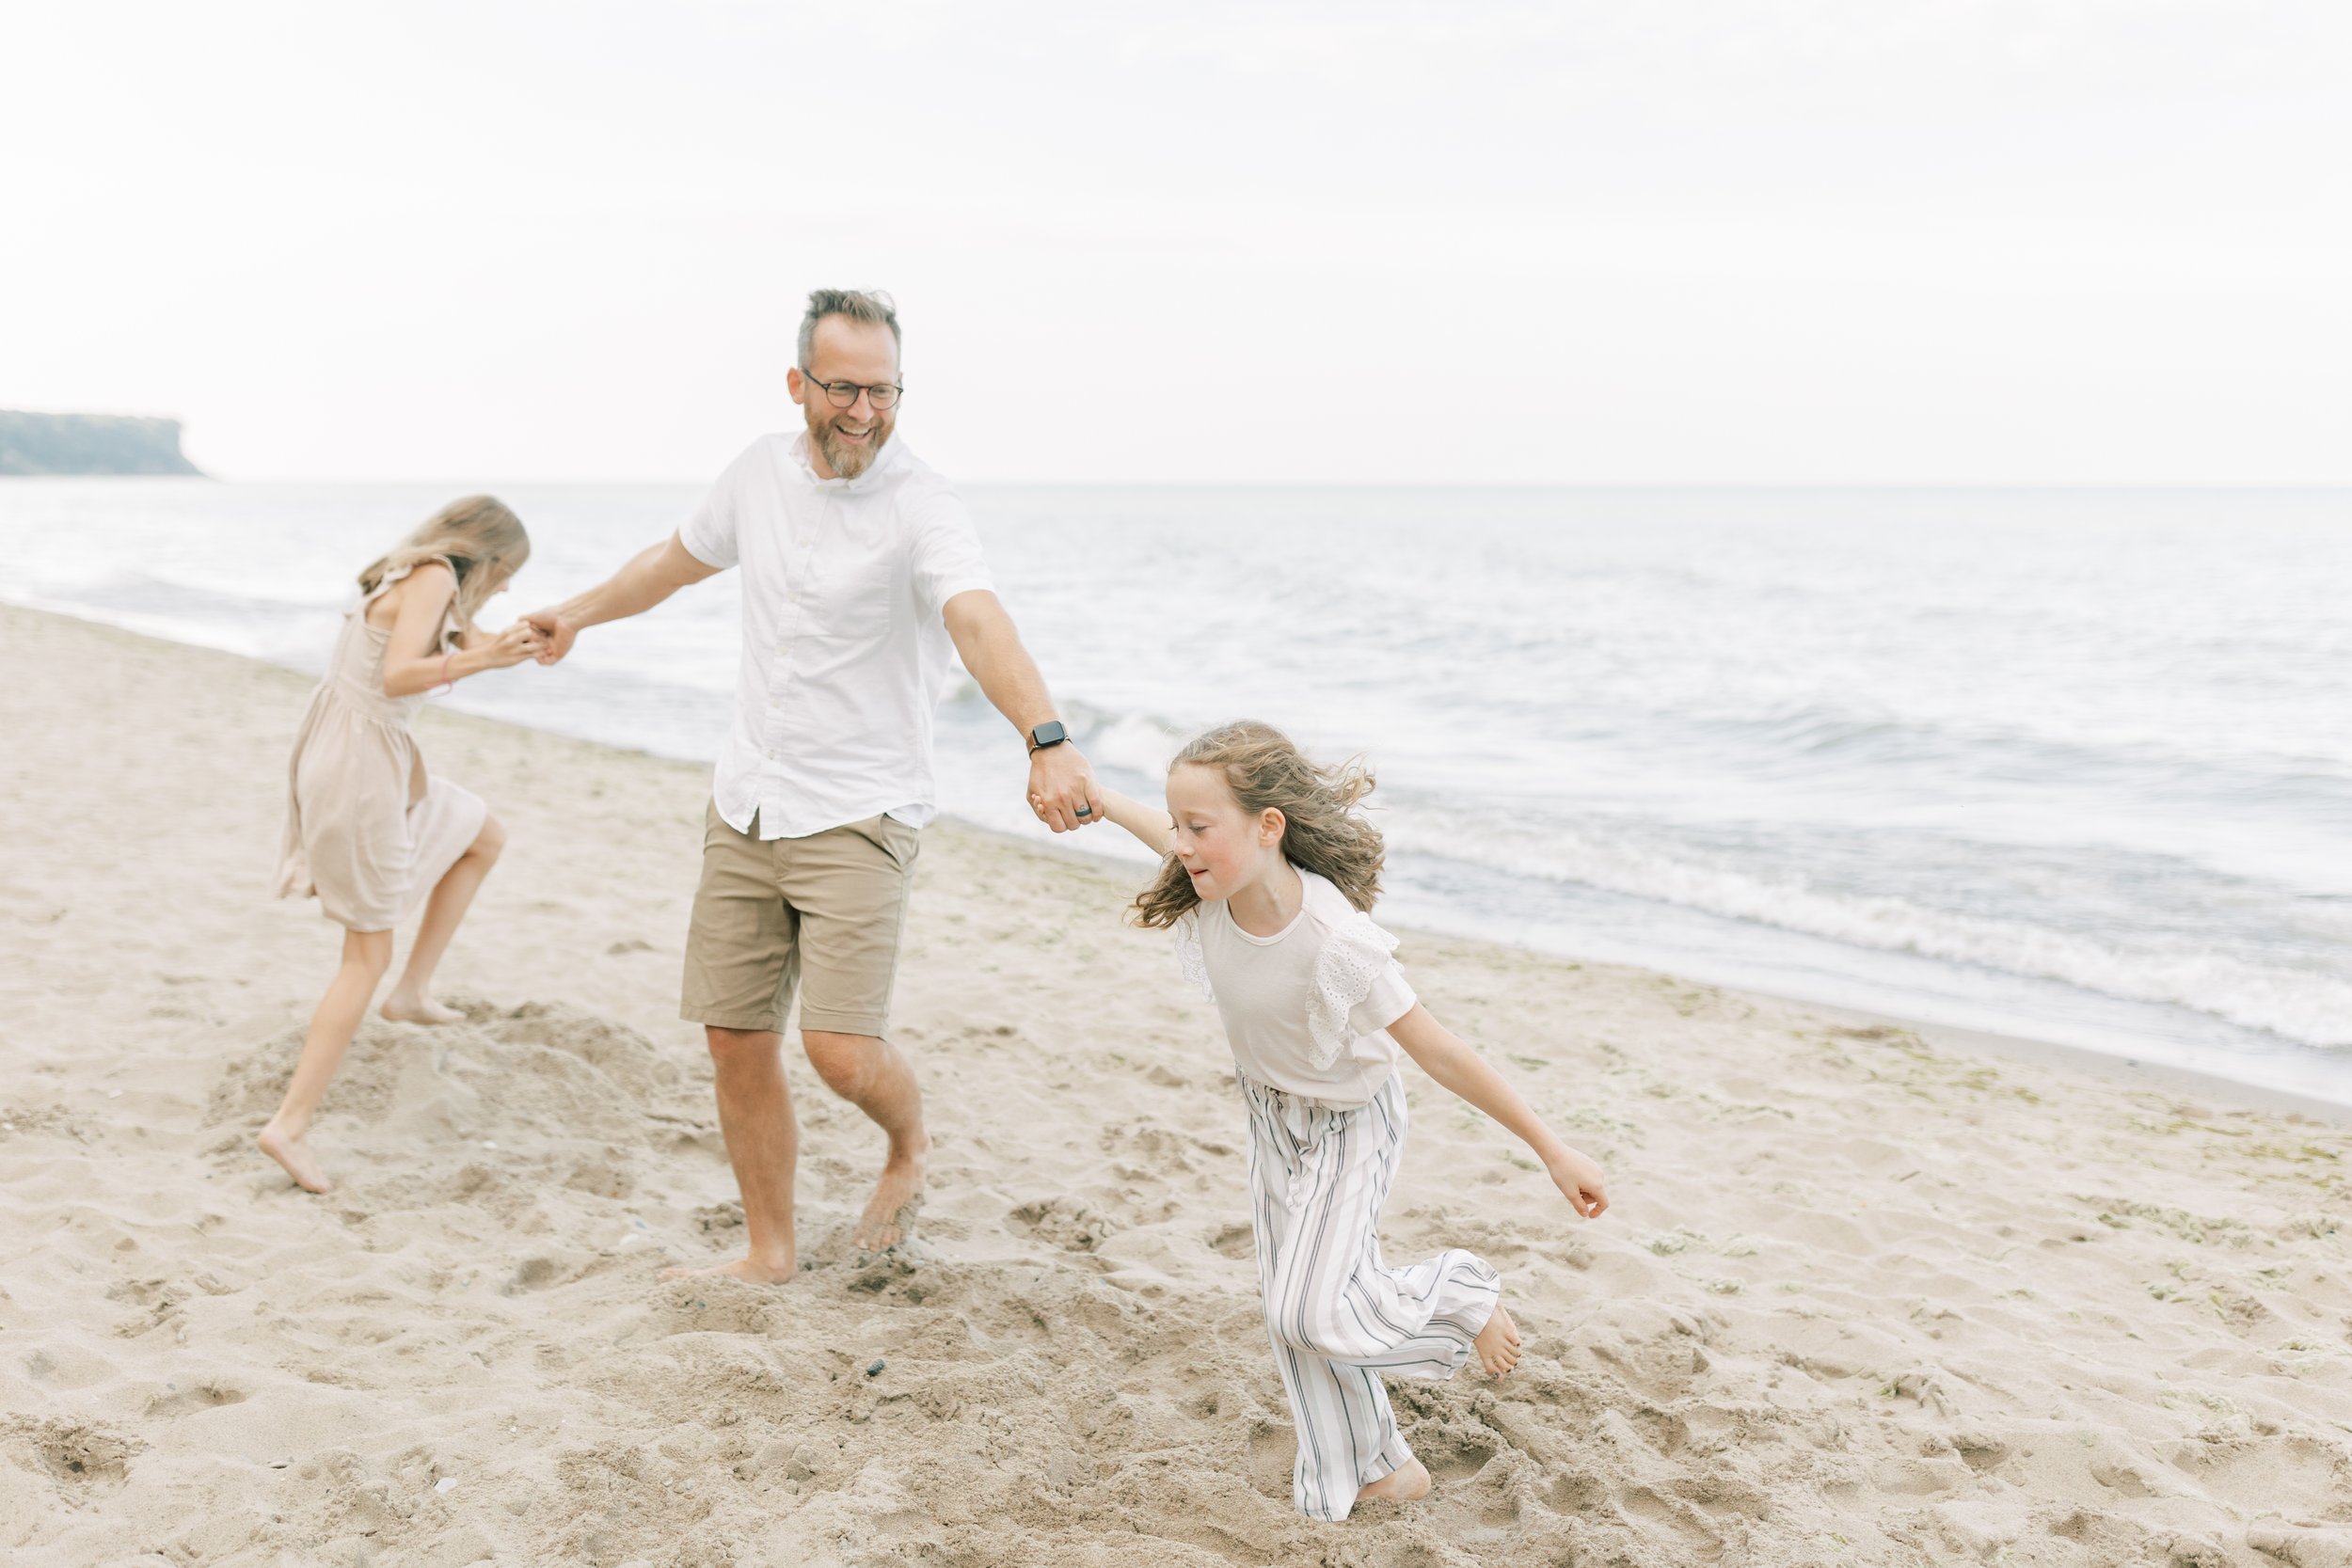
1986,486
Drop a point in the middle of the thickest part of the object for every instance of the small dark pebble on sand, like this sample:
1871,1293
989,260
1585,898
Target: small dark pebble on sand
874,1370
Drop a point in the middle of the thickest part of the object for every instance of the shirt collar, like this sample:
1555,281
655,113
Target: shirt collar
883,460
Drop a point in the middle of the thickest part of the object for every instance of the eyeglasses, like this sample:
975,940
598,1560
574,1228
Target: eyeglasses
843,394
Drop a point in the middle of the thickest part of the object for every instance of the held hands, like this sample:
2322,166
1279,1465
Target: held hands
1063,791
512,645
1579,1182
555,635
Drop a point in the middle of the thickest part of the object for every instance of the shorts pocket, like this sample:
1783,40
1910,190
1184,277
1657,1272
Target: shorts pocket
892,837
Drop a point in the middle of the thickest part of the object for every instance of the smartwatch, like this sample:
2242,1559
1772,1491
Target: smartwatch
1048,734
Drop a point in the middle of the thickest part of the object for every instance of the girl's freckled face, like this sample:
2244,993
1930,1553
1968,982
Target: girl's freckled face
1216,840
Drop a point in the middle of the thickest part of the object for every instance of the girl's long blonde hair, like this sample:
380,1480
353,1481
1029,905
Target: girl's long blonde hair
1324,830
477,536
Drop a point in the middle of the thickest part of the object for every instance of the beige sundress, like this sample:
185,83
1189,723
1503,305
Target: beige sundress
367,829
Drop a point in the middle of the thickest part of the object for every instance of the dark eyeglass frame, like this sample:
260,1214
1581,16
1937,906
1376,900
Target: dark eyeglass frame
883,395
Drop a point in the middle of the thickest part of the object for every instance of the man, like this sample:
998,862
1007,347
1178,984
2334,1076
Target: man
860,567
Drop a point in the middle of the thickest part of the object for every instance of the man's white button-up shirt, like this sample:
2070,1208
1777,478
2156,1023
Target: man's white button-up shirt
845,646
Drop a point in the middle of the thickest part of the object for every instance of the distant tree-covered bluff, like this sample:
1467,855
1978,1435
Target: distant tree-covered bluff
90,444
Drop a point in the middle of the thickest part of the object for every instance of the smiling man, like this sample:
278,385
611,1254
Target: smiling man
860,569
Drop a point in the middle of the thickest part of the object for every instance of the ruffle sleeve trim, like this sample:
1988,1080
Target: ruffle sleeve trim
1190,960
1355,956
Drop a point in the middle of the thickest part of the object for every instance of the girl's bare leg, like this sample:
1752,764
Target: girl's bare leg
366,957
412,1001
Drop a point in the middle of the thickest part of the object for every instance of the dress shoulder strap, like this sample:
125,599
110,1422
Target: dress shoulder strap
397,572
451,627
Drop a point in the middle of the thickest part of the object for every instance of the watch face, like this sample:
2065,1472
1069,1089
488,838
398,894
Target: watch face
1048,734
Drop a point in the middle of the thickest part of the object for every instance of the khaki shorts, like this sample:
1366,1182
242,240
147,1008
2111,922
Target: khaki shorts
821,915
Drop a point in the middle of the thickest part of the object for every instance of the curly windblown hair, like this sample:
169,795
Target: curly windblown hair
1323,831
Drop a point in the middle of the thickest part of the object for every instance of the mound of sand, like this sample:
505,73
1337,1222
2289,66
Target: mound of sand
1860,1301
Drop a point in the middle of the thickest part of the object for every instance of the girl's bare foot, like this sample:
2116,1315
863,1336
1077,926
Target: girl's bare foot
1498,1343
411,1007
293,1151
750,1270
1407,1483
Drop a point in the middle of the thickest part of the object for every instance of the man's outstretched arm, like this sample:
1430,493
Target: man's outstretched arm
651,576
1063,791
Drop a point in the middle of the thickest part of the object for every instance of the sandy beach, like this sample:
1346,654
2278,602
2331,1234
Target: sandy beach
1859,1301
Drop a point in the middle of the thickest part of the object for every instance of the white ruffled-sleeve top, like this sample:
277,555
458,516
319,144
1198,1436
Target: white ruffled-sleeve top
1307,1010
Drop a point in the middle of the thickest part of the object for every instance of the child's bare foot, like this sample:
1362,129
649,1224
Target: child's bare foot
406,1007
889,1216
750,1270
1498,1343
1407,1483
293,1151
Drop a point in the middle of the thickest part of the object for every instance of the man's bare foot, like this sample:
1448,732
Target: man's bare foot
748,1270
411,1007
1498,1343
1407,1483
293,1152
889,1216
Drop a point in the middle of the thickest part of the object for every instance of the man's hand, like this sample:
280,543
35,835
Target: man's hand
1061,788
555,633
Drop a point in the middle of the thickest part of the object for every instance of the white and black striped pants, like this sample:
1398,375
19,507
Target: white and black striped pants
1338,1317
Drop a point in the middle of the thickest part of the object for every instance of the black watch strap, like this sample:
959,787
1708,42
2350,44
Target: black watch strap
1051,733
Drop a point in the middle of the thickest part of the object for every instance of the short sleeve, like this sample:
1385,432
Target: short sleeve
710,535
1190,960
1387,999
947,557
1359,988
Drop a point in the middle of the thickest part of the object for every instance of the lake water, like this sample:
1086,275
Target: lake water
2073,765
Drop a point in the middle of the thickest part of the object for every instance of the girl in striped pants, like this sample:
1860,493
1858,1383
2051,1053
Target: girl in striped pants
1271,876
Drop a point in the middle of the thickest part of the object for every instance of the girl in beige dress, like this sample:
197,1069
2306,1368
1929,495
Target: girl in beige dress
367,829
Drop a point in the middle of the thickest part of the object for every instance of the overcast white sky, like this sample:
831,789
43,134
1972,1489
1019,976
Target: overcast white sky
1879,241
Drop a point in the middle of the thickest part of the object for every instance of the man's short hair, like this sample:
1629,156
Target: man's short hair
858,305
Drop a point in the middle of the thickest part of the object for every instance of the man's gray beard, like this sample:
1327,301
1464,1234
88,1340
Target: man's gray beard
845,461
